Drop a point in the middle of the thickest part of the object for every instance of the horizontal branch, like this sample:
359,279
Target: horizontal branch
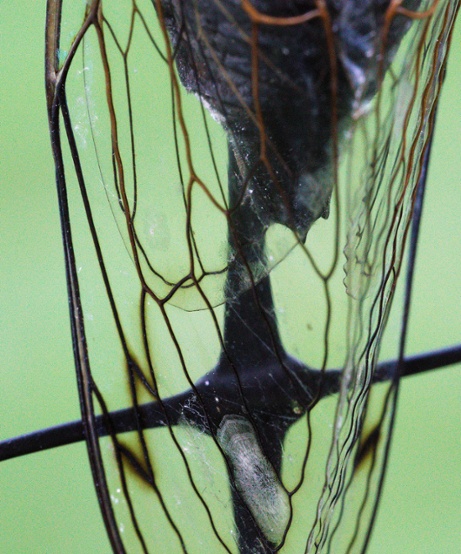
169,411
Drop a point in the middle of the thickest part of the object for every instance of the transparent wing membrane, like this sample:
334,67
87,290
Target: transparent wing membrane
237,181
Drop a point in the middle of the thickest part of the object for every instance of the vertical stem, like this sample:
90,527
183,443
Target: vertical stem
250,329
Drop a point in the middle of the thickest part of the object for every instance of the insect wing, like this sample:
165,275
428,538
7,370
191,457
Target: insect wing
156,201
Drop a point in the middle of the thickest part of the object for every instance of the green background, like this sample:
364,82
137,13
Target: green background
47,503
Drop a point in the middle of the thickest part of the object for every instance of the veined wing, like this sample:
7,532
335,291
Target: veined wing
169,248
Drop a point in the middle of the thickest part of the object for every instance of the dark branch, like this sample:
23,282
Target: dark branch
154,415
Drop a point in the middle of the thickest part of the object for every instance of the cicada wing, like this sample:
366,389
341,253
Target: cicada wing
126,194
379,203
149,209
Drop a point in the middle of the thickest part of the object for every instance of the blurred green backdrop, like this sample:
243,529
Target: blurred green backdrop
47,500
